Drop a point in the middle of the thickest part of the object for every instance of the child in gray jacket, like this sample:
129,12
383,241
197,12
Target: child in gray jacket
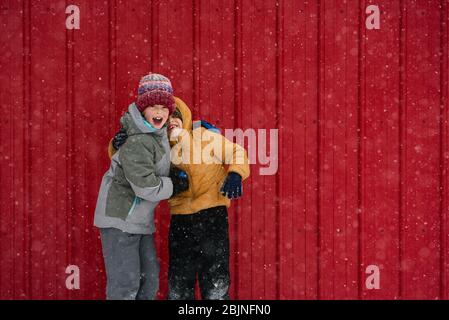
136,181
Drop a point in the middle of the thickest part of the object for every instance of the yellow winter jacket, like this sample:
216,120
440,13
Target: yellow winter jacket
205,176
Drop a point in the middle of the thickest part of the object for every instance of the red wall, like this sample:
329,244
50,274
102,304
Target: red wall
363,138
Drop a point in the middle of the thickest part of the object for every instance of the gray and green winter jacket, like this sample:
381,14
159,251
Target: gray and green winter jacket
137,178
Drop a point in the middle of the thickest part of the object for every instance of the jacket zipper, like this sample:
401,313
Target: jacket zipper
135,203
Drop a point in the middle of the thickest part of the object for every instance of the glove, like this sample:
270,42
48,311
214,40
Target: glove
232,187
179,179
119,138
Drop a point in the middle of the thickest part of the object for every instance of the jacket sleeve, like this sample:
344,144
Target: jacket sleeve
138,166
233,155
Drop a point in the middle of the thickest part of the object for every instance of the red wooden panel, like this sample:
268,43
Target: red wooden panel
13,161
8,70
298,151
338,186
444,148
420,247
362,177
47,97
380,121
259,110
175,55
244,253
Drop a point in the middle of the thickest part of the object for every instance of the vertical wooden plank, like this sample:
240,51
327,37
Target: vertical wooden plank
24,219
289,39
420,158
57,171
298,145
177,53
133,50
339,233
311,168
215,51
444,139
380,150
325,289
259,112
244,247
12,161
71,239
47,96
10,20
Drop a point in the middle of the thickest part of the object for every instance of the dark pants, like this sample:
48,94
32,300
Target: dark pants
199,245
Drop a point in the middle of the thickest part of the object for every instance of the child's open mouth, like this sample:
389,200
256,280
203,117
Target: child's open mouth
171,126
157,121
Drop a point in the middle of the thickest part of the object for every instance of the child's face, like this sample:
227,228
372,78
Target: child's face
156,115
174,127
174,122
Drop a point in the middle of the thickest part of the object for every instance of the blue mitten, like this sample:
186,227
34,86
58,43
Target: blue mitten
179,179
232,187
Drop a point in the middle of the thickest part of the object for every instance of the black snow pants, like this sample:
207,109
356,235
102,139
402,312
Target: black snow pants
199,246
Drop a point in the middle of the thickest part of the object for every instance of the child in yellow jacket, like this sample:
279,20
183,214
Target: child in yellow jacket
198,235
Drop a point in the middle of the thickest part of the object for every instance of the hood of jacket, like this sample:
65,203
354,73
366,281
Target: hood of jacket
134,123
186,114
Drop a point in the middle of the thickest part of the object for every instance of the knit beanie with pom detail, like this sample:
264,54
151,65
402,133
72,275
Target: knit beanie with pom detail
155,89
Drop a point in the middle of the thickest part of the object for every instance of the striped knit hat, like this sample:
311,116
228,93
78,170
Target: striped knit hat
155,89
